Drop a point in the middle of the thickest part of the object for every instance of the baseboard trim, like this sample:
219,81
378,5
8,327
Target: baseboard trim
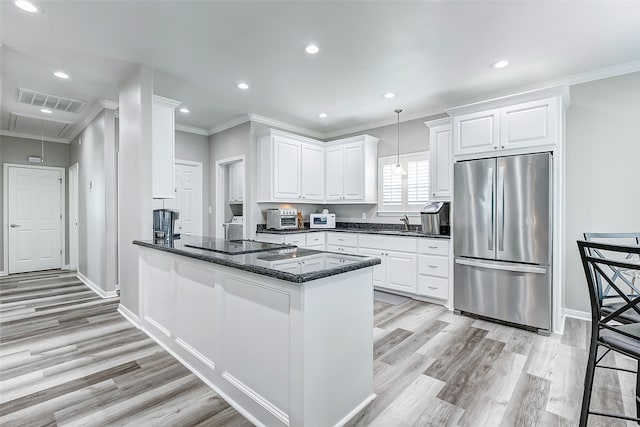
66,267
95,288
577,314
3,273
129,315
357,409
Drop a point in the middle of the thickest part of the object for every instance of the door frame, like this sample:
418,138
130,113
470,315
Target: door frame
221,184
74,191
5,211
199,165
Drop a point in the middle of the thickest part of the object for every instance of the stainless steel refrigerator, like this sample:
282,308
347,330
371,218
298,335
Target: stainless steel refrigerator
502,239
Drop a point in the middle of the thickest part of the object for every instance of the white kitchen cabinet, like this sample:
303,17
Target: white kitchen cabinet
522,123
163,147
476,132
351,170
440,159
297,239
399,266
315,239
236,182
270,238
433,268
290,168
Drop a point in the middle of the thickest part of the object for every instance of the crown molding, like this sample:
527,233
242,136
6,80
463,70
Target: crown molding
286,126
93,111
192,129
228,125
34,137
109,105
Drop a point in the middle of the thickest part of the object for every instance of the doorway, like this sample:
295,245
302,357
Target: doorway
230,194
74,243
33,217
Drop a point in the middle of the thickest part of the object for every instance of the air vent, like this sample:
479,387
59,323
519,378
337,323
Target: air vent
53,102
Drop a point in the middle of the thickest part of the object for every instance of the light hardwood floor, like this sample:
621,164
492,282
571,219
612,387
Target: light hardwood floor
68,358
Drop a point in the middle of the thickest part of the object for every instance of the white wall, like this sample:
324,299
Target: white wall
16,150
602,170
134,179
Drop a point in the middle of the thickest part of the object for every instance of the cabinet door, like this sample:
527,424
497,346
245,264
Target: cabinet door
476,132
312,172
529,124
401,271
378,270
296,239
239,188
162,150
434,287
334,173
354,171
233,183
441,163
286,184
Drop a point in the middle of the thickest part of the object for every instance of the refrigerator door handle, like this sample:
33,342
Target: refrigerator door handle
503,267
492,217
501,205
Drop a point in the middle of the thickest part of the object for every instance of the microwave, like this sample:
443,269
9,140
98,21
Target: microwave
282,219
322,220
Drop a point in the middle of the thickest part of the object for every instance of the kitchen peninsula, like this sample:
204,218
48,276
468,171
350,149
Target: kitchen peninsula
284,334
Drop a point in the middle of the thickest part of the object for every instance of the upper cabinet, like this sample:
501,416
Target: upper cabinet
512,125
236,182
290,168
441,161
163,147
351,170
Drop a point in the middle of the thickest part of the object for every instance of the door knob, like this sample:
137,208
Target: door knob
14,225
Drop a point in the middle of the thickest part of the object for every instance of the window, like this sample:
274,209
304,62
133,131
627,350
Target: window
403,193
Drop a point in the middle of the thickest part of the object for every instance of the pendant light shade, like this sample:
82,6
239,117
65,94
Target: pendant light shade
398,170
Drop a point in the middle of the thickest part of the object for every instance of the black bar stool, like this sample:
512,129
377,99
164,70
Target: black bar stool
613,327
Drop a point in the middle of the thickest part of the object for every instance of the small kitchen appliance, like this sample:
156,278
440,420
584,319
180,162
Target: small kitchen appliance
282,219
435,218
323,220
164,224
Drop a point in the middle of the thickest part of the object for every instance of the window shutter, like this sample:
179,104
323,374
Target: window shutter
417,181
391,187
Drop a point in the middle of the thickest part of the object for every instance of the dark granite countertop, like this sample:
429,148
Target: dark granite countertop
229,247
362,228
291,264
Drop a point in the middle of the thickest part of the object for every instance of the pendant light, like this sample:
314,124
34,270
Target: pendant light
398,170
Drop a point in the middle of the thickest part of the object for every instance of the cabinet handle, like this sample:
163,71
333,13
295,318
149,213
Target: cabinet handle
503,146
432,287
432,266
432,247
342,240
433,194
495,148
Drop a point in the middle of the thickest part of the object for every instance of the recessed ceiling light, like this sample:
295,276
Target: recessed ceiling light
311,49
243,86
27,6
61,75
46,111
322,115
389,95
184,110
500,64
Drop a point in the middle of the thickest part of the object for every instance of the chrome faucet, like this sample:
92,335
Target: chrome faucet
405,221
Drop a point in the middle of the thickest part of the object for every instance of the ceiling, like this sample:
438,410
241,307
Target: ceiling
432,55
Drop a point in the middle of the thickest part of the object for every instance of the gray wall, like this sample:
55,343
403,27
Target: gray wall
602,163
195,148
16,150
234,142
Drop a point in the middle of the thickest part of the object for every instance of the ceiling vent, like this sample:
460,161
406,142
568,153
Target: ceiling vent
53,102
32,125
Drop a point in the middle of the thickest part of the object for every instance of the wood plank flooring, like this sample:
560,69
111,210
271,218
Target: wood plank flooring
68,358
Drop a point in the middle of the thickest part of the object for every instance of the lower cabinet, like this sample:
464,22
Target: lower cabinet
433,268
399,267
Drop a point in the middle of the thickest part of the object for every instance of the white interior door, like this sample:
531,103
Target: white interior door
188,185
34,218
73,218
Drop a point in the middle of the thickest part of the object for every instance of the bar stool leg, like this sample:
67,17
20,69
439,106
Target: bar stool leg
588,383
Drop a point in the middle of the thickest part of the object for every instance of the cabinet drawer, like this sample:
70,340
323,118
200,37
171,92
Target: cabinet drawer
269,238
390,243
433,246
433,287
295,239
433,265
342,249
314,239
342,239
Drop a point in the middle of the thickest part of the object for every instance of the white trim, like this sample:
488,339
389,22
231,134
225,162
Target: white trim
201,357
203,377
286,126
95,288
5,210
109,105
3,273
93,112
256,397
65,267
191,129
576,314
220,192
167,101
228,125
355,410
75,166
158,326
35,137
129,315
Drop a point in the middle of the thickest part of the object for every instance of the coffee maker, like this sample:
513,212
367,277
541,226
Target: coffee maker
164,223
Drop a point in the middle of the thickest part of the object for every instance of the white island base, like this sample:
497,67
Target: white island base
281,353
